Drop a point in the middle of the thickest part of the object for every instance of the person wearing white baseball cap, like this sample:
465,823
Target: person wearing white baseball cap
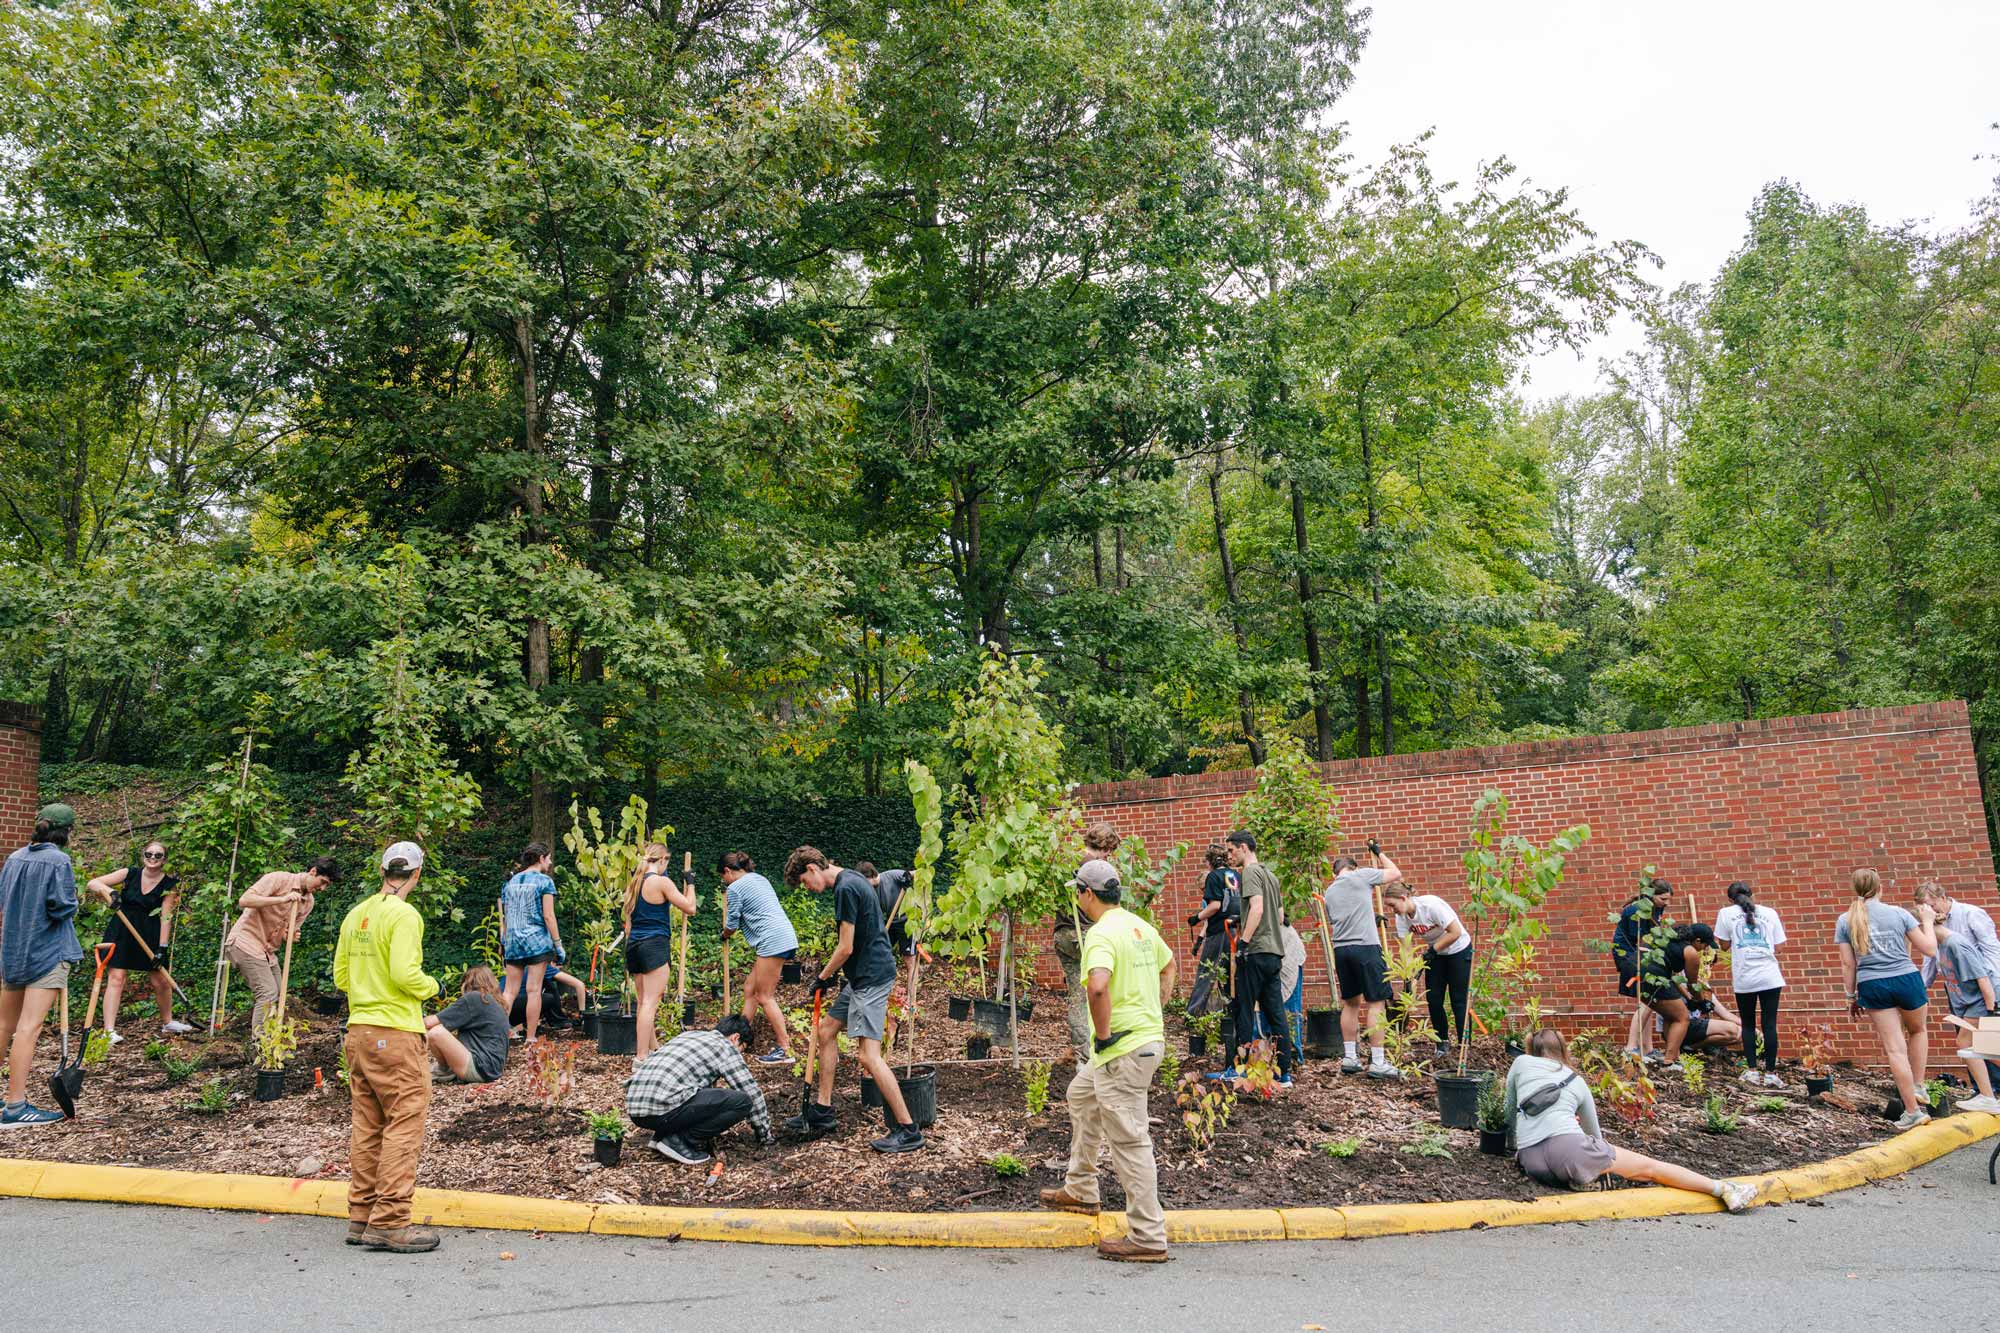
379,962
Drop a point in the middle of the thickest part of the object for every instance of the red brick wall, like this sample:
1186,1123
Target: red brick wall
1789,804
20,761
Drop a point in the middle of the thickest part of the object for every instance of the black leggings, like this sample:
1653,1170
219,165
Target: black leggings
1448,975
1748,1003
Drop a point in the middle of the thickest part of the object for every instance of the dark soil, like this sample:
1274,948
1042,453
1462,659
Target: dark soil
509,1137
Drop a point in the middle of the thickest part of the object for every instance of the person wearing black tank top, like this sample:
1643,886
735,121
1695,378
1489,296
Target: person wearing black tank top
147,895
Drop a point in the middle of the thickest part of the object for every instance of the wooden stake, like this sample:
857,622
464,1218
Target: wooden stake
1326,944
219,996
687,882
285,973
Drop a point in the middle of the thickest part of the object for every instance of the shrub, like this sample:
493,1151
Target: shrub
1694,1074
1341,1149
1035,1080
1493,1107
605,1124
1716,1117
1006,1164
1431,1141
212,1100
1772,1105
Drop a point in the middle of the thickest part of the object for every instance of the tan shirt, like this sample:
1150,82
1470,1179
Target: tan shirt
260,930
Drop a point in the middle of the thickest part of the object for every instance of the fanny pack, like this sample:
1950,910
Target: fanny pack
1544,1098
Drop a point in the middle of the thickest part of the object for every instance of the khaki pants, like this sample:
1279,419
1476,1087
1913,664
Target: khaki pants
1107,1108
389,1080
262,974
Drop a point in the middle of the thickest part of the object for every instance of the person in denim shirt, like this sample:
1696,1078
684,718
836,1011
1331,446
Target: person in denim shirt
37,946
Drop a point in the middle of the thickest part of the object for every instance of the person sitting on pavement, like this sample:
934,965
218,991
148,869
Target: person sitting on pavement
1127,968
147,896
1969,981
862,1007
38,945
751,905
672,1092
1358,963
1260,959
1556,1136
1447,958
1220,913
1670,984
469,1036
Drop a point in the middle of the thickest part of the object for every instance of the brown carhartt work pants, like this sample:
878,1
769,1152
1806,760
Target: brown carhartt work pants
389,1079
1107,1109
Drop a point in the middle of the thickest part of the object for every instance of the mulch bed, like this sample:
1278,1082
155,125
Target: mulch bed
507,1137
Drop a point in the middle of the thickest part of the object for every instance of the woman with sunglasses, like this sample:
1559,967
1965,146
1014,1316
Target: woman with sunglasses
147,895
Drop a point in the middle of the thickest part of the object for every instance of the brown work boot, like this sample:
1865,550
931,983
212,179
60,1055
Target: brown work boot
1124,1250
403,1240
355,1231
1065,1202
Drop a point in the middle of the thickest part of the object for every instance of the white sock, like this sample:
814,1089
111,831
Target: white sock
1352,1052
1375,1056
1717,1191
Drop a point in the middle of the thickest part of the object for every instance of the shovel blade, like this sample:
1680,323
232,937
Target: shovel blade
64,1085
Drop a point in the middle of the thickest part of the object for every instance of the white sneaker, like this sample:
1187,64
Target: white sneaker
1912,1118
173,1027
1384,1070
1752,1077
112,1036
1771,1080
1989,1105
1737,1196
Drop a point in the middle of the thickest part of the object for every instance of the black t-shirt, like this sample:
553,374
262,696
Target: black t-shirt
871,963
482,1025
891,888
1220,887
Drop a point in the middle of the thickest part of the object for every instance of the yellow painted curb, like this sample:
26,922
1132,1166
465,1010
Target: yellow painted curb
1025,1230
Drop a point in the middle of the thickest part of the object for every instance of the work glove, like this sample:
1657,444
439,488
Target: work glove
1374,847
822,985
562,955
1103,1044
1194,919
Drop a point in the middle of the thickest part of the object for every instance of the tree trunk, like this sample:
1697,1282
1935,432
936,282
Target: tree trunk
1246,712
1380,631
541,792
1069,953
1364,726
1315,661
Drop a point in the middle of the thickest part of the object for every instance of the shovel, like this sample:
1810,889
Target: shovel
67,1081
812,1055
152,957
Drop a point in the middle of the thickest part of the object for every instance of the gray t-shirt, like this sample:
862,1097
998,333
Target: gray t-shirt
482,1025
1888,952
1350,906
1962,963
1574,1110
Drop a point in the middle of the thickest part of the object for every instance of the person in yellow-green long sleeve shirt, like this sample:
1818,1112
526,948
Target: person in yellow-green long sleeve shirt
379,963
1127,967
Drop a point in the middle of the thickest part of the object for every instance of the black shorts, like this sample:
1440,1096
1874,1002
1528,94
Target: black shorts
1360,970
648,955
1628,979
1654,988
1697,1033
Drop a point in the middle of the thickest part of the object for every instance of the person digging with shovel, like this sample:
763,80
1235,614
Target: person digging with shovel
1127,967
861,1008
273,910
143,898
379,963
38,945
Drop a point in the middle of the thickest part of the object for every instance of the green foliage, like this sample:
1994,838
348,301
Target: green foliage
1694,1074
233,828
1431,1141
605,1124
178,1070
1772,1105
604,867
1295,816
927,806
213,1099
1493,1106
157,1050
1035,1085
1205,1107
1170,1068
1935,1091
1716,1118
1006,1165
277,1040
96,1047
1342,1149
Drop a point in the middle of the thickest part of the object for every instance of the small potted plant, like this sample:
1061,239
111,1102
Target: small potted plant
978,1046
607,1133
1493,1120
1937,1097
1202,1030
277,1042
1816,1058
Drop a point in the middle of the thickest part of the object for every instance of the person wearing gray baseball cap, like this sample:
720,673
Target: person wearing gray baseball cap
379,962
37,946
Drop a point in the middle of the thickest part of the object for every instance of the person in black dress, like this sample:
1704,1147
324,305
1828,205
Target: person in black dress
147,895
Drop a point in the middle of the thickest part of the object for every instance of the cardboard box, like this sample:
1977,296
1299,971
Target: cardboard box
1985,1036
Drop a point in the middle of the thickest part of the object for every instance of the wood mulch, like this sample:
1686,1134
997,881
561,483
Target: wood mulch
510,1137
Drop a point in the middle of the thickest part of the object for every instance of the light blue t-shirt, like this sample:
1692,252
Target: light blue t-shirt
754,909
1888,952
523,933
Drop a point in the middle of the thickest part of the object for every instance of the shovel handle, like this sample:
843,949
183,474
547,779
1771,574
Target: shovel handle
103,951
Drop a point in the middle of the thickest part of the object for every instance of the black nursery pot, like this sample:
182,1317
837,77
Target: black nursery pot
991,1017
327,1005
1493,1142
1818,1085
870,1094
617,1034
919,1087
590,1024
791,974
1197,1045
978,1046
1228,1031
687,1013
1515,1050
1322,1033
606,1151
959,1007
1458,1098
270,1084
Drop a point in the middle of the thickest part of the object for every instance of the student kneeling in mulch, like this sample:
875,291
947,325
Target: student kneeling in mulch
672,1092
469,1037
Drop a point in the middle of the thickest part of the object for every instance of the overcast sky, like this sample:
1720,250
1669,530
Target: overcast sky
1664,120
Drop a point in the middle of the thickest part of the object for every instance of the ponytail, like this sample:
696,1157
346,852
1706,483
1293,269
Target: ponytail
735,861
1739,893
654,851
1867,884
530,855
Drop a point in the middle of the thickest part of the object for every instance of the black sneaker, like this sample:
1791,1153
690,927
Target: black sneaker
677,1149
815,1122
903,1138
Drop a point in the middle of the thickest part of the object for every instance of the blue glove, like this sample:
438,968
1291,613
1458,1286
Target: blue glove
562,955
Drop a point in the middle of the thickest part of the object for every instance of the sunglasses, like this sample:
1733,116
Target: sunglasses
152,856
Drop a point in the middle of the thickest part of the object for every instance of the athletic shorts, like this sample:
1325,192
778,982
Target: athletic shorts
789,956
1360,971
56,980
531,959
1697,1032
864,1010
648,955
1905,992
1628,979
1571,1161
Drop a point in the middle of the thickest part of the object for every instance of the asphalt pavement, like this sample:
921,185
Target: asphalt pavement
1919,1251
